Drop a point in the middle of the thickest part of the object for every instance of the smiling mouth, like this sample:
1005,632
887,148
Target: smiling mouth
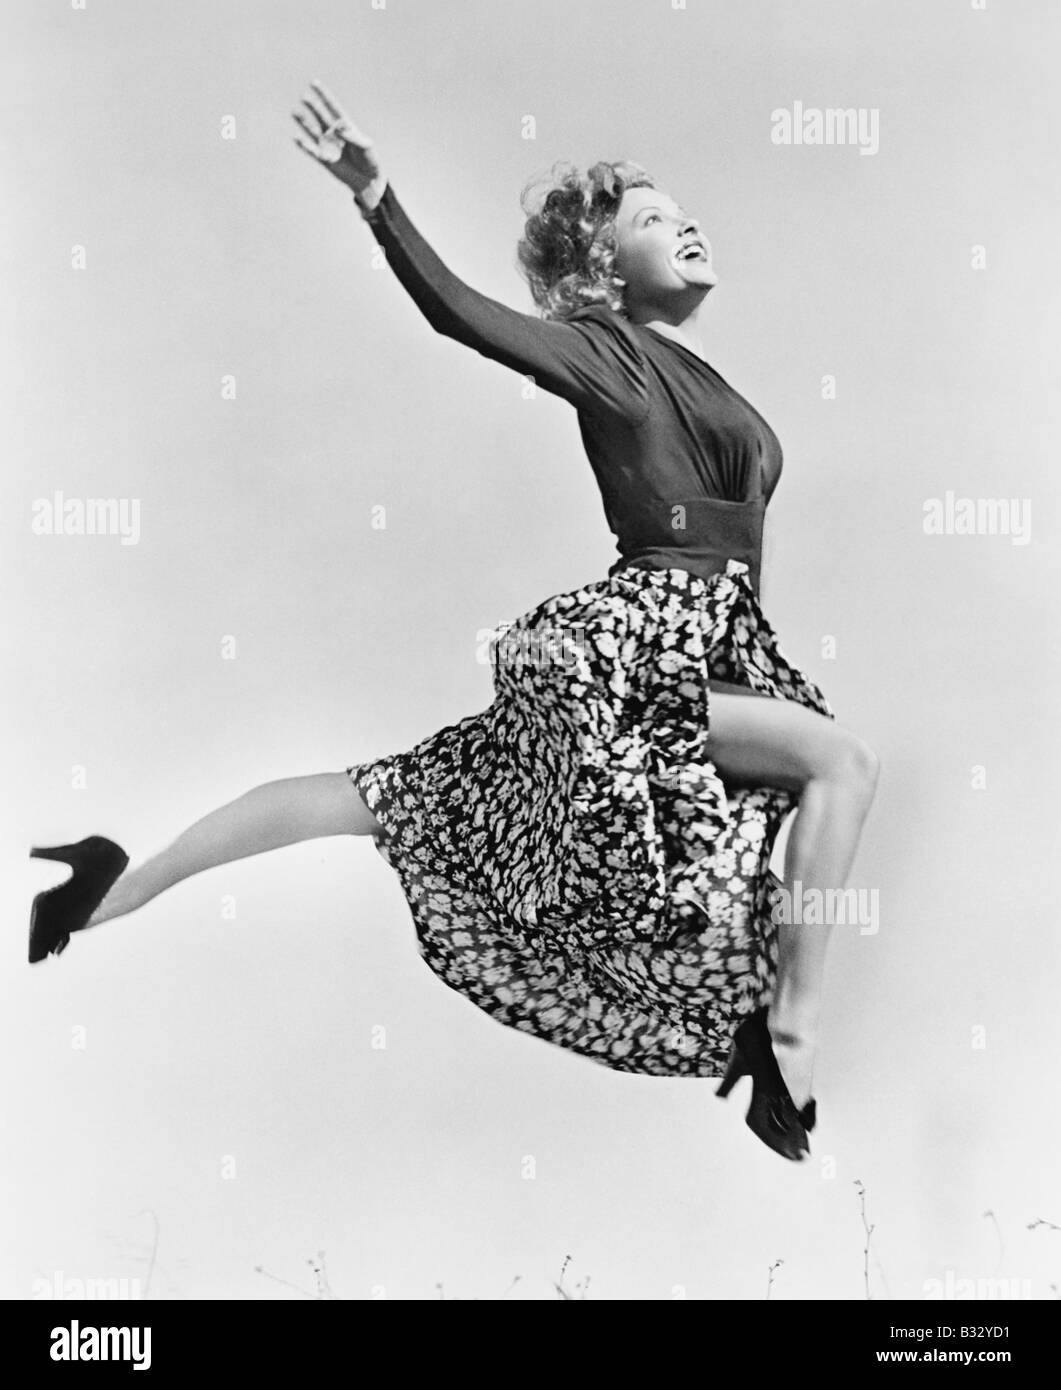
692,251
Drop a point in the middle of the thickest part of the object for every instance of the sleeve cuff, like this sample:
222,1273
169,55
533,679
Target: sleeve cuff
372,214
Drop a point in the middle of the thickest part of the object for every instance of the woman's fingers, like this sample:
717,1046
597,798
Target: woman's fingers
331,117
331,106
353,136
318,116
338,117
304,124
310,150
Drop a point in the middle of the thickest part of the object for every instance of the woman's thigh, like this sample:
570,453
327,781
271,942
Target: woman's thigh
757,740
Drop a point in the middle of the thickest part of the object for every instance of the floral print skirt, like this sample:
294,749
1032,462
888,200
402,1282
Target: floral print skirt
574,864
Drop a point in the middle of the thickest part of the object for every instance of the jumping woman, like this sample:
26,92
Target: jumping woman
587,860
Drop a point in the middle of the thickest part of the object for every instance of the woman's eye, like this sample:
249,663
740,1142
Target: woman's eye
652,217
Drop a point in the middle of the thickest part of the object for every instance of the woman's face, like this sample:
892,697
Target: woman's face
660,251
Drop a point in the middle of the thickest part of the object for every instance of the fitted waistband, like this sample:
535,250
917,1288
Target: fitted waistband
703,562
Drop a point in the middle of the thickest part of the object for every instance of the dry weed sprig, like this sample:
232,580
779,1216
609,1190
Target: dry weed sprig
990,1215
303,1293
323,1290
559,1286
869,1234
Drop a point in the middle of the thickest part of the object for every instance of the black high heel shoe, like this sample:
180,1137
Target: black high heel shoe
772,1115
97,863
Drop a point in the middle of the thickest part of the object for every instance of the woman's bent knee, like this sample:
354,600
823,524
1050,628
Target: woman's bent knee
857,764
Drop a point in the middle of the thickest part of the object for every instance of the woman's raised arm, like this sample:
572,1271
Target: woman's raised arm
592,360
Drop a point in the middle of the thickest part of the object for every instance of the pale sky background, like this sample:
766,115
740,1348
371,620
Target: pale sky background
212,1042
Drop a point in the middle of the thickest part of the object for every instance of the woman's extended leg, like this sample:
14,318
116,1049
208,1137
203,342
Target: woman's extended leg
275,814
759,741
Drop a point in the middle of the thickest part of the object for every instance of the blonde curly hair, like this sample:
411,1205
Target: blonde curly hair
567,250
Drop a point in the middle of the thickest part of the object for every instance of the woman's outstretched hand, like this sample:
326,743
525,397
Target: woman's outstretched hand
331,138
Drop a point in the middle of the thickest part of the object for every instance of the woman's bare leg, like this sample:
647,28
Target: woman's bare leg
277,813
756,741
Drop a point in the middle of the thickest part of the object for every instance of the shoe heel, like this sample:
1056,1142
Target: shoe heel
62,854
734,1072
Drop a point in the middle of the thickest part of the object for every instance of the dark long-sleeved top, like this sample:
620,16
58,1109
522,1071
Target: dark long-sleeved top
684,464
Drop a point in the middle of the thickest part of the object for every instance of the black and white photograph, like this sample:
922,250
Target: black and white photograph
532,661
